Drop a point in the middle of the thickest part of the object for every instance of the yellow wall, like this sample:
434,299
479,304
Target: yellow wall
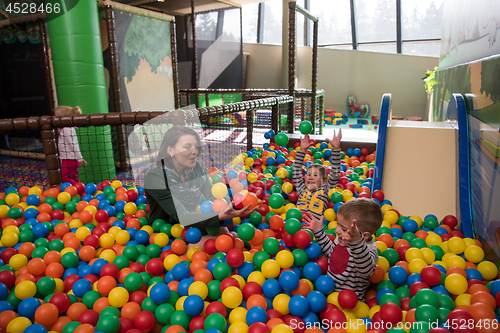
420,168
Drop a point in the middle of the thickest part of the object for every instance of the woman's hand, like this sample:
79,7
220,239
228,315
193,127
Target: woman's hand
335,142
305,143
230,212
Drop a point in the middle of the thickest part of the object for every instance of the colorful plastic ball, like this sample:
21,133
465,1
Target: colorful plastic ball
25,289
28,306
193,235
19,324
108,323
215,321
488,269
410,226
118,297
431,275
276,201
325,284
193,305
317,301
456,284
35,328
159,293
232,297
391,313
298,306
311,271
289,280
347,299
305,127
398,274
256,314
81,287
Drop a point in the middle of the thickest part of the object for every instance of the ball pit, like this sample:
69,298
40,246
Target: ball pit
85,258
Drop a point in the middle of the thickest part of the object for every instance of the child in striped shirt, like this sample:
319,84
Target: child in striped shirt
313,192
353,251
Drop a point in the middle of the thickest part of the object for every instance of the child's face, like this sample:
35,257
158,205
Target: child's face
343,227
314,179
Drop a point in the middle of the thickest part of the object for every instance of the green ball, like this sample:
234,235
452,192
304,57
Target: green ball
354,176
431,223
163,313
276,200
281,139
337,197
396,330
292,226
269,215
259,258
213,230
216,179
390,298
166,229
157,224
121,262
133,282
271,245
131,252
246,232
214,292
305,127
403,292
255,218
120,215
438,251
108,324
220,256
443,315
446,301
143,259
275,189
145,277
386,284
294,213
359,171
318,155
111,198
418,243
222,271
57,206
215,320
110,310
427,296
56,245
26,236
391,255
426,313
413,303
41,242
90,298
141,248
300,257
174,297
383,230
153,251
71,327
409,236
15,213
180,318
155,280
149,305
401,220
108,190
421,327
69,260
45,285
12,299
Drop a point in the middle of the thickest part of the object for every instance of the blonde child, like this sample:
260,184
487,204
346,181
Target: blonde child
69,150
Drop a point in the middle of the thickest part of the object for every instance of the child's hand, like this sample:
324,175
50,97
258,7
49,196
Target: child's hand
312,223
335,142
83,163
353,233
304,143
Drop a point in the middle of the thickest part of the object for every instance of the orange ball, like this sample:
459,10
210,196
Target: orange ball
275,322
54,270
105,285
175,329
123,274
36,266
52,256
134,223
101,304
387,239
303,289
71,190
25,277
173,285
250,199
224,243
81,205
61,229
46,314
23,190
178,246
481,311
45,208
487,326
196,265
130,310
27,249
256,300
405,265
87,253
72,242
75,310
456,270
200,255
258,239
410,316
44,217
485,298
84,328
6,317
378,274
86,216
203,275
370,293
59,324
422,234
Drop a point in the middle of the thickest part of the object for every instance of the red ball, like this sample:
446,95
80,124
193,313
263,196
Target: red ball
197,323
351,187
126,325
259,327
459,316
110,270
456,233
431,275
101,216
391,313
450,220
238,201
302,239
288,239
137,297
405,303
89,317
79,187
415,287
372,302
445,237
209,247
293,196
70,281
297,323
132,194
229,282
272,313
259,193
335,316
145,321
9,278
137,267
379,195
92,240
439,330
154,267
235,258
268,184
57,214
61,301
7,254
402,251
251,288
364,152
216,307
323,264
328,307
348,299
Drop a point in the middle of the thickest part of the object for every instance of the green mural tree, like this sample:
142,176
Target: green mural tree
490,85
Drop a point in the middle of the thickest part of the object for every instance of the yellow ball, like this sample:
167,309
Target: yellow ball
285,259
130,208
219,190
287,187
75,224
9,239
240,279
347,194
122,237
381,246
280,303
469,242
149,229
176,230
107,240
270,269
118,297
281,173
179,305
108,254
116,184
463,299
356,326
25,289
18,261
232,297
282,328
417,219
330,215
198,288
391,217
333,298
373,310
170,261
66,250
474,254
416,265
11,228
82,233
413,253
252,177
384,263
18,325
4,210
12,199
91,209
361,310
444,247
456,245
386,208
64,197
238,327
488,269
456,284
433,239
256,277
238,314
455,261
429,255
161,239
35,190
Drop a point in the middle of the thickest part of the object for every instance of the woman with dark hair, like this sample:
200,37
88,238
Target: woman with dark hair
174,188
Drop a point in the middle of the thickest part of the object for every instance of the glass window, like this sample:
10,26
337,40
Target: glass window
300,25
334,21
382,47
206,26
341,47
375,20
273,16
231,28
430,49
421,19
250,18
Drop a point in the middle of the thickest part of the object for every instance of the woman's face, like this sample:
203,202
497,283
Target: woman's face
185,152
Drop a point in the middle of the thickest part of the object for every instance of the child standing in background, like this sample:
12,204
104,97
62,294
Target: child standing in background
69,150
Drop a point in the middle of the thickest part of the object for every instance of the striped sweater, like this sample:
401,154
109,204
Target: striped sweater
315,202
356,273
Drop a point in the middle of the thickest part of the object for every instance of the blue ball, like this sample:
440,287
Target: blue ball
439,289
120,224
313,251
310,319
385,202
415,277
384,291
159,293
246,268
231,174
280,159
317,301
101,196
87,197
356,152
206,207
440,231
441,268
289,280
193,235
337,206
142,237
90,188
169,277
398,274
103,204
81,287
28,306
40,230
271,288
410,226
327,153
4,291
311,271
33,200
256,314
64,186
211,264
267,135
5,306
495,288
30,213
73,271
119,205
97,266
323,145
474,274
35,328
298,306
349,152
325,284
193,305
396,232
272,133
180,271
270,161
